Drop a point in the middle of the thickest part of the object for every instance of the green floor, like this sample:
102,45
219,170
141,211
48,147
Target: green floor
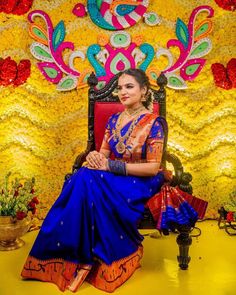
212,269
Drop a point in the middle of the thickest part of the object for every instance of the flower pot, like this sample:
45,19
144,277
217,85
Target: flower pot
10,232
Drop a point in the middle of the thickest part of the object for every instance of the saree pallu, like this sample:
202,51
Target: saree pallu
92,229
172,207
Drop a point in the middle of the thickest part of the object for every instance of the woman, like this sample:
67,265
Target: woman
91,230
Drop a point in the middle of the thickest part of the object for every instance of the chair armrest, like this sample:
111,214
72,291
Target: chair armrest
80,159
181,178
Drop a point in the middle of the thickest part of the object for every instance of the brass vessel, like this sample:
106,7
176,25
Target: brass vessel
10,232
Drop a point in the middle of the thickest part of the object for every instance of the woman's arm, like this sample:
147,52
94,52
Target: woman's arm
154,150
136,169
142,169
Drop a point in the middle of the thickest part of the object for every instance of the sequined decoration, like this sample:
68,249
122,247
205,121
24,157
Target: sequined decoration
117,15
48,49
192,44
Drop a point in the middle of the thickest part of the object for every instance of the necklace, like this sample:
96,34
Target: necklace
120,146
131,112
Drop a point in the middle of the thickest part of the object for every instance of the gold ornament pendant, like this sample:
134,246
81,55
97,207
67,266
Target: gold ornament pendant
120,147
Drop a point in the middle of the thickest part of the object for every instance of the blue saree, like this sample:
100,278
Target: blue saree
93,223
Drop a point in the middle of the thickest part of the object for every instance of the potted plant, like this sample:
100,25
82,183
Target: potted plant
17,206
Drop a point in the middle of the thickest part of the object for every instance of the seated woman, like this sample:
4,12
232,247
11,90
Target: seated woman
91,230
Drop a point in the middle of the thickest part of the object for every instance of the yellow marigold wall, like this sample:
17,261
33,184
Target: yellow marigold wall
42,130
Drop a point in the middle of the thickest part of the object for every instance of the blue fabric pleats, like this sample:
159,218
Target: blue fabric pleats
96,215
183,215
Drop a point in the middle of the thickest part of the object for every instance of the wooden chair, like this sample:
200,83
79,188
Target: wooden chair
102,104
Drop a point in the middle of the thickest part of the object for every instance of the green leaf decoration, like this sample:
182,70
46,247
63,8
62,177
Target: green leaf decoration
85,79
52,73
67,83
101,84
119,63
201,48
39,33
192,68
41,52
99,3
153,76
182,32
201,30
58,35
175,81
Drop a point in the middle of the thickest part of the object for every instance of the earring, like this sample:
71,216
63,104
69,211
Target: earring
143,98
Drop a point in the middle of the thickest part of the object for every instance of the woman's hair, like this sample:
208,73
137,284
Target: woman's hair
143,81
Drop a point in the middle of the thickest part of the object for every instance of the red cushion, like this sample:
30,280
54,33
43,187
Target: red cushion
102,112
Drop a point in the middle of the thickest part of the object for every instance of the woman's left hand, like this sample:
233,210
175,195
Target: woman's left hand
97,161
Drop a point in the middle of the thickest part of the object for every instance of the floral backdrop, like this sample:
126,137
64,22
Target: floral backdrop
43,129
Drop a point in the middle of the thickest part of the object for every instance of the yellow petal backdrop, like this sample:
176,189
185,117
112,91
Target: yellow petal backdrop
42,130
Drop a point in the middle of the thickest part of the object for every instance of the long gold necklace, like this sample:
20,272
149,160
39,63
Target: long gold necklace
120,146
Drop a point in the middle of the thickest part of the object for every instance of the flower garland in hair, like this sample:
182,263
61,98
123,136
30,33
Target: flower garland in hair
150,96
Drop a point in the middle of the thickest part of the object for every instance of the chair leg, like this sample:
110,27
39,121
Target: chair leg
184,240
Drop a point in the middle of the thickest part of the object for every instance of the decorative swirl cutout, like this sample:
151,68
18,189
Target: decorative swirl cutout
51,50
113,15
192,44
120,53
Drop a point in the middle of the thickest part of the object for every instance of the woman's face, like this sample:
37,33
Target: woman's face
129,91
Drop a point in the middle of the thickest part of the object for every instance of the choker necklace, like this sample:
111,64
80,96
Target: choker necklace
134,112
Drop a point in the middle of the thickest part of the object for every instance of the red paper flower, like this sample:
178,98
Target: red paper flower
18,7
231,71
7,5
225,77
23,72
10,73
220,76
227,4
